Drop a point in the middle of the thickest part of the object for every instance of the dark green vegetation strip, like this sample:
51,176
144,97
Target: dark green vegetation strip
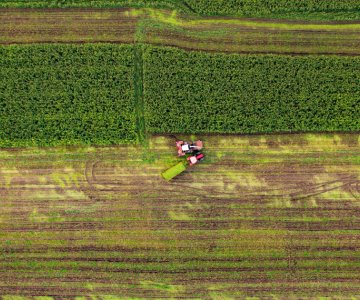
201,92
138,92
297,9
66,94
305,9
166,4
95,94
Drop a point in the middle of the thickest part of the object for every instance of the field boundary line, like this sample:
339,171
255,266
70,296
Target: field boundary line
138,92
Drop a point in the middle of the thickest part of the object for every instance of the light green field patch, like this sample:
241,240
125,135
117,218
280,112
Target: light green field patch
37,217
7,174
157,142
341,195
281,202
52,194
67,177
179,216
248,180
323,141
219,296
235,142
13,297
171,288
174,20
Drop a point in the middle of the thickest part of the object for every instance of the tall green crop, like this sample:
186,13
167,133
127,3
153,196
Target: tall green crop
198,92
298,9
66,94
301,9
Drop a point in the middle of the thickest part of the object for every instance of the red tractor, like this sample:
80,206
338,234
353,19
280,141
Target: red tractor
188,148
194,159
193,156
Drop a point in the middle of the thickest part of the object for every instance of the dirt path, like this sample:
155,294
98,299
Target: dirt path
18,26
262,215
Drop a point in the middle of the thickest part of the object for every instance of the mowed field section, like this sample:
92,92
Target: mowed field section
274,215
163,27
66,25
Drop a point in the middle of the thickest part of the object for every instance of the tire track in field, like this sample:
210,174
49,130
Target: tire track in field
294,193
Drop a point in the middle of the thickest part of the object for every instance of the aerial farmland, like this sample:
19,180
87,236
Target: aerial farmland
179,149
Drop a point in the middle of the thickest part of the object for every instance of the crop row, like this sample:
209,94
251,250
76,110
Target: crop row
310,9
187,92
303,9
167,4
66,94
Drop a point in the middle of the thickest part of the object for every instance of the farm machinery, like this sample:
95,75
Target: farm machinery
186,148
193,155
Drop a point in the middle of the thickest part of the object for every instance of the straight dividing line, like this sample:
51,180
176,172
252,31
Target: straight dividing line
139,83
138,93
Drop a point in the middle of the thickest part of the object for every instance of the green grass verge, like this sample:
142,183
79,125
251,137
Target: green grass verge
201,92
66,94
305,9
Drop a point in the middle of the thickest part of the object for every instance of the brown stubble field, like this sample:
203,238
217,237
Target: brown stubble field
19,26
267,216
22,26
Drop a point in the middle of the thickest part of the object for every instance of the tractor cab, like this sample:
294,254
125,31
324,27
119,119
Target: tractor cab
188,147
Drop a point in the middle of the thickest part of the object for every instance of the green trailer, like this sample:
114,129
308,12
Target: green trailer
174,171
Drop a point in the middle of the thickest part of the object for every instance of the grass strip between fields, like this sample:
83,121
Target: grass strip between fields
138,92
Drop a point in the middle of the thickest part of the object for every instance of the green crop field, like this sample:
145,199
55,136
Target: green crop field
292,9
298,9
66,94
98,94
94,94
200,92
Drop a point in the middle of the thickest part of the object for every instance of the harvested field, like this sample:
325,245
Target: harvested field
251,35
166,28
264,216
66,25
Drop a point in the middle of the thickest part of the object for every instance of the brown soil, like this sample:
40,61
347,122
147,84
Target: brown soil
66,25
